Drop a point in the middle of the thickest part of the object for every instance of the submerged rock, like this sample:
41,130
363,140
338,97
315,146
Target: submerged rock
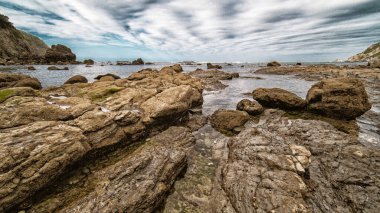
278,98
251,107
76,79
227,120
57,68
339,97
113,76
213,66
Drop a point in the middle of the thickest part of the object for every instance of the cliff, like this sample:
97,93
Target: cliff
372,52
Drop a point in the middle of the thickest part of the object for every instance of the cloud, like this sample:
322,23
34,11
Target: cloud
204,30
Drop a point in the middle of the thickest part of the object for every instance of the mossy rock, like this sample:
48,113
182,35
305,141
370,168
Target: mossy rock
102,93
17,91
5,94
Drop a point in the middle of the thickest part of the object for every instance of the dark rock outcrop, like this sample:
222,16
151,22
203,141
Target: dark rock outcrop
108,76
138,61
278,98
273,64
213,66
251,107
18,80
58,53
339,97
76,79
226,121
89,62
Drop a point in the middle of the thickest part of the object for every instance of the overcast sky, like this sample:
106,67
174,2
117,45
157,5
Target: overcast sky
202,30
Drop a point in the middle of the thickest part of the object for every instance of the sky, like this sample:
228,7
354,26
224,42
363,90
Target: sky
202,30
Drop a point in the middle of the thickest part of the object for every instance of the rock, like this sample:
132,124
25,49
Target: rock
18,80
227,120
135,182
107,75
273,64
344,98
31,68
251,107
211,78
295,165
89,62
138,61
235,75
212,66
57,68
123,63
177,68
44,133
278,98
374,63
298,64
76,79
59,52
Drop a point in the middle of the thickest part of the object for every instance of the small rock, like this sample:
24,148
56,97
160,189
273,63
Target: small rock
251,107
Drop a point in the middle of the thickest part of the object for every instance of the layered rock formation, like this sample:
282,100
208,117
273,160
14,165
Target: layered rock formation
43,134
372,52
286,165
59,53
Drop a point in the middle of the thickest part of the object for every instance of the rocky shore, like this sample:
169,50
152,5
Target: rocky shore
141,144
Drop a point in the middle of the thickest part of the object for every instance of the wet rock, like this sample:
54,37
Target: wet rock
18,80
211,78
57,68
251,107
273,64
114,77
340,97
298,64
227,120
297,166
278,98
123,63
31,68
138,61
213,66
59,52
89,62
76,79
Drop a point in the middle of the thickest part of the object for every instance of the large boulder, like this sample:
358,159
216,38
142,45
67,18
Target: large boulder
278,98
89,62
18,80
226,121
59,52
273,64
213,66
251,107
344,98
76,79
138,61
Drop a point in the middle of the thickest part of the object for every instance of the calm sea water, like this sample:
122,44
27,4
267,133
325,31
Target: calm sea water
213,100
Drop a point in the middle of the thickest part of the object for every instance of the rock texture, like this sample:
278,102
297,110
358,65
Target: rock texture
43,134
60,53
227,120
211,78
17,45
285,165
251,107
339,97
273,64
18,80
278,98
